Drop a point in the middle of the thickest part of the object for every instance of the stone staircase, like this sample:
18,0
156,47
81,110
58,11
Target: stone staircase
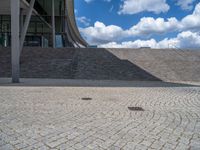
105,64
40,63
101,64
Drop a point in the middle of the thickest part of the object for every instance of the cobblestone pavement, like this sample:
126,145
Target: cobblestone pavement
57,118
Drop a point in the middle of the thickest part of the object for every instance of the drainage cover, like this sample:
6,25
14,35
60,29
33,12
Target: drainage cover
86,98
136,108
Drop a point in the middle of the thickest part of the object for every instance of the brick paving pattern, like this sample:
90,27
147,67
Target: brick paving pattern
57,118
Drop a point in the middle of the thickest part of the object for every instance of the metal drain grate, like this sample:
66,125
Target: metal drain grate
86,98
136,108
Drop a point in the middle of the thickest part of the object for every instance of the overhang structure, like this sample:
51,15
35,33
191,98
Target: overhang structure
51,22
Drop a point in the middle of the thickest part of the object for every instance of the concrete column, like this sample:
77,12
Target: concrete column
21,19
53,24
15,41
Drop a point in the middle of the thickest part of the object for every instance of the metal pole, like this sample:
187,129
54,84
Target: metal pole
53,24
15,41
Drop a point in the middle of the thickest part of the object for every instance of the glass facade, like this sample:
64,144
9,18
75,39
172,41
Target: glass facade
5,30
39,33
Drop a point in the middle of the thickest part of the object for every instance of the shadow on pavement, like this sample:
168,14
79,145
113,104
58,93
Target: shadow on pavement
90,83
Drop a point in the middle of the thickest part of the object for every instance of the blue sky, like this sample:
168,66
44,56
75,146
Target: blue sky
140,23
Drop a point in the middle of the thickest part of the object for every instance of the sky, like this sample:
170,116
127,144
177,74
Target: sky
139,23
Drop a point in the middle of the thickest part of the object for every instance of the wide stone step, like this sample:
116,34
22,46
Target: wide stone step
105,64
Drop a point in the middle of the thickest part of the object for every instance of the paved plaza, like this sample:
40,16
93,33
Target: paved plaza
34,115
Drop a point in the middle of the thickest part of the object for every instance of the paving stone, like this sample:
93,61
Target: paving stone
7,147
43,117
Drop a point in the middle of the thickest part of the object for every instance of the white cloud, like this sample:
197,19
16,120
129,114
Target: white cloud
130,44
101,33
185,39
88,1
137,6
192,21
111,8
185,4
189,39
147,26
84,20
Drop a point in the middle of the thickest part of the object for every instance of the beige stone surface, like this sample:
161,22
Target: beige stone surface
50,114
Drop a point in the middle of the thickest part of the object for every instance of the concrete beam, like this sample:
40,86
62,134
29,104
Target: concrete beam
26,24
15,41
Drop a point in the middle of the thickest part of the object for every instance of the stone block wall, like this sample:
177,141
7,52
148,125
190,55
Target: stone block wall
106,64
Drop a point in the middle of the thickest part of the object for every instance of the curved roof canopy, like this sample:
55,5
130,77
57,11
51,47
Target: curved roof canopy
72,23
73,35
